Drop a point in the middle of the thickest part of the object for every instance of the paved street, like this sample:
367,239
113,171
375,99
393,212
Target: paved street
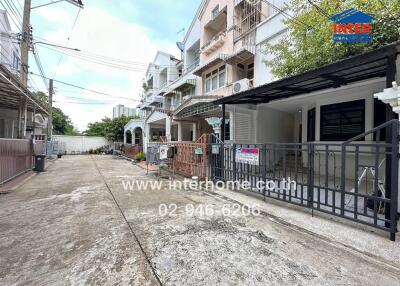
75,224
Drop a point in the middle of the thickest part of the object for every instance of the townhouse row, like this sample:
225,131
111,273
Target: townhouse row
333,129
222,54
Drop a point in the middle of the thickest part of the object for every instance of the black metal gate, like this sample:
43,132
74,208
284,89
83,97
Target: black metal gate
356,180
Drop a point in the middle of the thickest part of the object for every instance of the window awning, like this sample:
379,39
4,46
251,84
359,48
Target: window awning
197,105
374,64
11,92
186,84
216,60
242,55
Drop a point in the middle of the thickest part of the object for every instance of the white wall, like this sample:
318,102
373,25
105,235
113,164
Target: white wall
274,126
80,144
271,31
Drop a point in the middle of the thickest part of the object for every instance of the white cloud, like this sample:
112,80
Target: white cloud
99,32
87,113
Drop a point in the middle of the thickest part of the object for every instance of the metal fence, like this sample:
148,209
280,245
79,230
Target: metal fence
356,180
15,158
192,158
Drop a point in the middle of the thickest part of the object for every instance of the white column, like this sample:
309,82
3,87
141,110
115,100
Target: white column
146,140
168,121
392,96
194,131
133,136
217,131
179,131
125,136
232,126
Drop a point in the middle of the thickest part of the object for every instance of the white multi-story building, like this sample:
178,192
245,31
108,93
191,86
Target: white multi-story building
222,53
10,65
10,53
121,110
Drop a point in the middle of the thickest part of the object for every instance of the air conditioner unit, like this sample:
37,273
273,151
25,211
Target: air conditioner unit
241,85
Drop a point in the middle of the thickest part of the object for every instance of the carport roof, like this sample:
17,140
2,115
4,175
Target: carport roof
370,65
11,90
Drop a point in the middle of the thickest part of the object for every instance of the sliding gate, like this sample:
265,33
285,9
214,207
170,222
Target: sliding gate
356,180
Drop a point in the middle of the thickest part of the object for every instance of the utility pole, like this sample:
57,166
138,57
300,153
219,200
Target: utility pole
25,45
50,120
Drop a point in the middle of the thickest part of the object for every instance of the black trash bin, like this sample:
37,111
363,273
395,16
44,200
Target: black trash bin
40,161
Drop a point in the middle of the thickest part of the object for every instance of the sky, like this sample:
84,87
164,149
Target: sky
128,30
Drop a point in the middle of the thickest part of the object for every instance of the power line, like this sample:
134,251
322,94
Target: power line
61,56
319,9
107,63
16,9
103,57
15,21
86,89
40,67
287,15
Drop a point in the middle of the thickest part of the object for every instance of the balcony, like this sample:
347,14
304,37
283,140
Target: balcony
214,44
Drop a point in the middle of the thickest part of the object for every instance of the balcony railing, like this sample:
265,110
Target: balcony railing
214,43
191,67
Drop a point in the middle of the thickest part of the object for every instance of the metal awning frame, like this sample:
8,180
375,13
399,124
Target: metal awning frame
374,64
11,91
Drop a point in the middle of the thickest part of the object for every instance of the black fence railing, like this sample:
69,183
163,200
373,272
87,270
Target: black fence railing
356,180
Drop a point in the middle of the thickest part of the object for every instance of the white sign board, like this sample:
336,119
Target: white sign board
250,156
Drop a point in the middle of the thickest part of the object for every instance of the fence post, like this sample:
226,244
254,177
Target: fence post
234,161
310,190
264,167
394,180
342,181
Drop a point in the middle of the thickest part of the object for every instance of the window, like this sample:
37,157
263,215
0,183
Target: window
16,60
215,79
311,125
342,121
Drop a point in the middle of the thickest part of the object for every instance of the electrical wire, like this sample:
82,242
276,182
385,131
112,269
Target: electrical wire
13,19
61,56
40,67
319,9
101,61
287,15
88,90
98,56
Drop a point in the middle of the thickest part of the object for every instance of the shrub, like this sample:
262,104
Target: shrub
140,157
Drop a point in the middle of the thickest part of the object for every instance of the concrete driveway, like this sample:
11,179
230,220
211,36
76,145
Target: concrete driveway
76,224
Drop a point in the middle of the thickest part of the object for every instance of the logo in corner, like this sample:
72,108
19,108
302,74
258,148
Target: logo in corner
352,26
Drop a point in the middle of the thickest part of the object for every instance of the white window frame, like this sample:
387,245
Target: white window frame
219,75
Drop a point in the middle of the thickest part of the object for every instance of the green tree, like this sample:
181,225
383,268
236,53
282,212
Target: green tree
42,97
308,43
111,129
62,124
